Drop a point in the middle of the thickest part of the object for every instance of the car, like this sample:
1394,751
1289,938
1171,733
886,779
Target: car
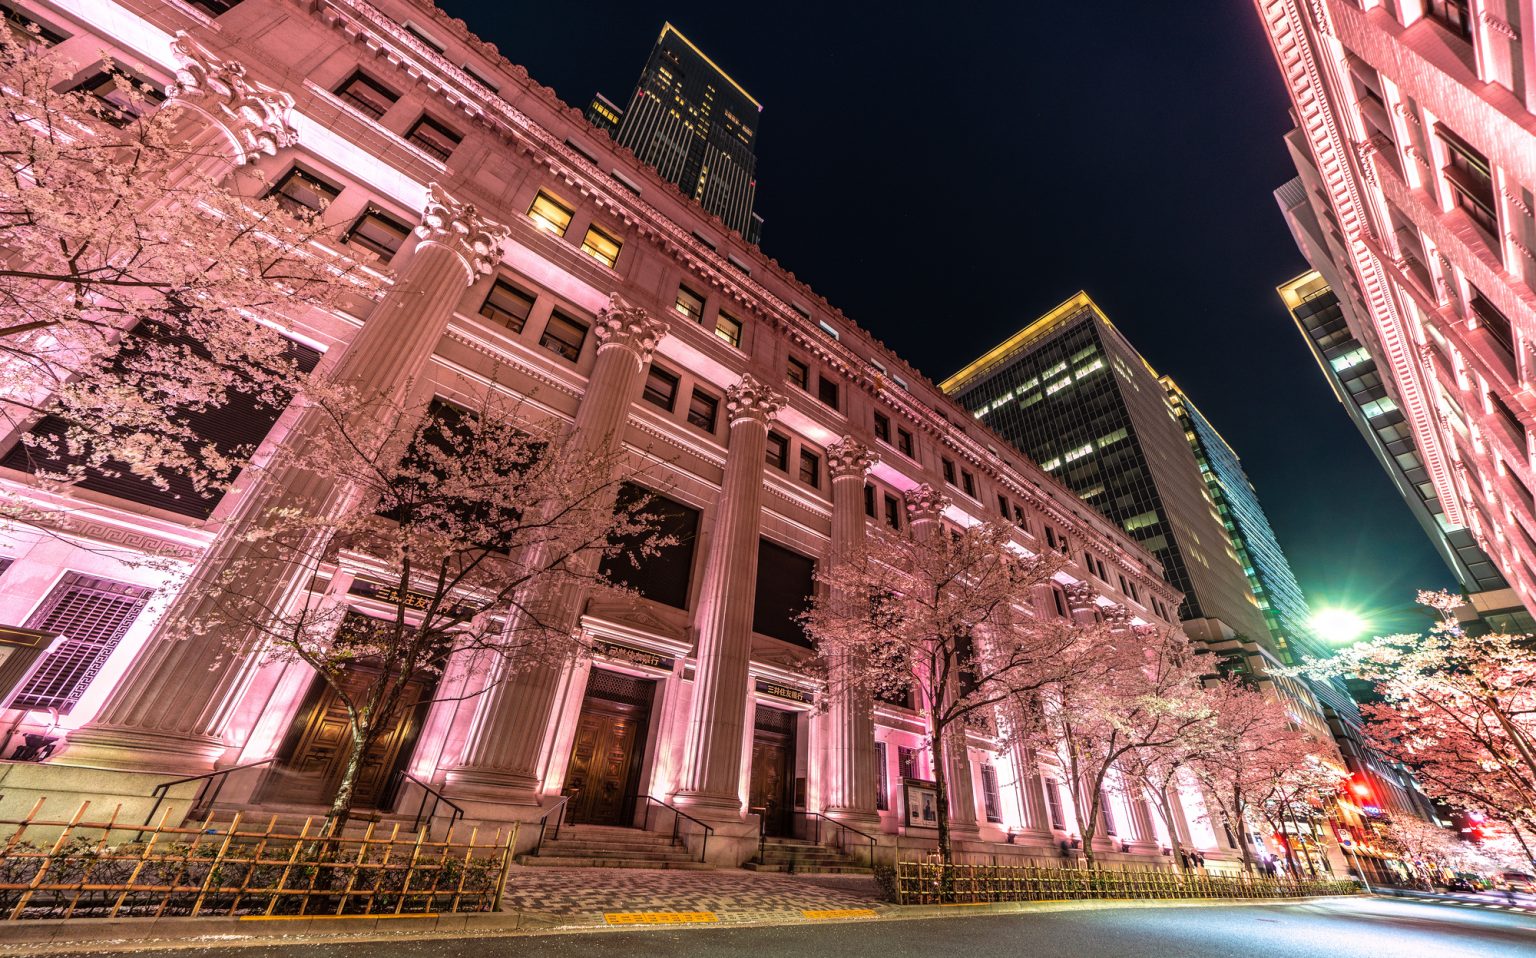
1518,881
1462,884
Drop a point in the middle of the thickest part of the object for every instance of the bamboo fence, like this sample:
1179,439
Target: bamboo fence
923,883
81,868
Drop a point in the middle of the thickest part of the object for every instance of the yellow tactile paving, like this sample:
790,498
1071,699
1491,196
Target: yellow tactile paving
826,913
659,917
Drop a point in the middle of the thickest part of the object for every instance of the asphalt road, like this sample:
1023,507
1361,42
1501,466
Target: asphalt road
1371,928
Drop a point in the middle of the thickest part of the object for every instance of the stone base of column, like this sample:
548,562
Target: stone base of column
139,750
864,819
494,796
708,807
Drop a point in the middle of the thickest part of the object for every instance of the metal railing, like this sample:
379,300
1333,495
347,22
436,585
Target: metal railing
558,805
812,830
203,801
843,828
427,791
930,882
677,821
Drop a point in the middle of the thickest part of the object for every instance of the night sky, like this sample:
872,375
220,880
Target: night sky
945,179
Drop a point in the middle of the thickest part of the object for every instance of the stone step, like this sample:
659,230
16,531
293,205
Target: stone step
810,869
573,862
586,844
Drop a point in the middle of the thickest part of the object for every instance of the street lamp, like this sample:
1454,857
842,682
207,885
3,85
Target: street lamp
1337,626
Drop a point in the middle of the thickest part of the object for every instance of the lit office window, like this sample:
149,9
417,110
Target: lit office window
601,247
549,214
728,328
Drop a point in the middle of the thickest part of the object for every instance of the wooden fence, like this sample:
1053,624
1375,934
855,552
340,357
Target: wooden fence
923,883
108,869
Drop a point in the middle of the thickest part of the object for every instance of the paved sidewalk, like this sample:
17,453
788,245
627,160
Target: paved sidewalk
574,897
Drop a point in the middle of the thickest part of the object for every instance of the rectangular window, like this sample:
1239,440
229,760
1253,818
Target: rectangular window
1491,318
660,388
564,335
1454,15
905,444
601,247
906,761
892,512
798,374
968,483
882,777
882,427
1471,180
507,305
991,795
950,476
778,452
690,304
869,502
433,138
421,35
117,105
1053,804
1002,505
27,31
1018,516
303,193
378,233
810,468
1107,810
367,95
550,214
703,409
826,391
93,615
728,328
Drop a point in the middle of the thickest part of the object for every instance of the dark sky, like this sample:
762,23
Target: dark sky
947,174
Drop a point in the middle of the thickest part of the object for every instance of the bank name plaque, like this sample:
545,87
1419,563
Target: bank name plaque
785,692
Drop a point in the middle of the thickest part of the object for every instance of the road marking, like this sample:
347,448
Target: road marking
826,913
659,917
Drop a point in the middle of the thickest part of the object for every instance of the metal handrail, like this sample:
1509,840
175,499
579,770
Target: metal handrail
677,816
437,797
762,832
162,790
558,805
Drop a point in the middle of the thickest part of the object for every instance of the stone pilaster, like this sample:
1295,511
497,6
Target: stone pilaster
504,759
711,775
170,709
849,758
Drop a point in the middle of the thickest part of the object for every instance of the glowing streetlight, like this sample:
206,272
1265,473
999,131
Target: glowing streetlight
1339,626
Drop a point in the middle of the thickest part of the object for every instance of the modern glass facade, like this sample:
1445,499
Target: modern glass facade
1269,573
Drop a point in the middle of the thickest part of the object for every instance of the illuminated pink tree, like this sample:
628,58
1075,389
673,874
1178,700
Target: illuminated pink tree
145,279
947,616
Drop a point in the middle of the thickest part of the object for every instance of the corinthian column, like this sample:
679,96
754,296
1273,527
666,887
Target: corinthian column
170,709
711,776
925,506
219,118
503,761
850,771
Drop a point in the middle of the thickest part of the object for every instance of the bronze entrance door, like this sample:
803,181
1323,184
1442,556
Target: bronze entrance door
771,792
610,745
314,754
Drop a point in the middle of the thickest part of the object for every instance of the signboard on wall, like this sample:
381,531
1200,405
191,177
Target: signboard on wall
624,653
921,801
788,693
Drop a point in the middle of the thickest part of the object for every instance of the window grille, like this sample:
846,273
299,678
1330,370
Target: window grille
93,615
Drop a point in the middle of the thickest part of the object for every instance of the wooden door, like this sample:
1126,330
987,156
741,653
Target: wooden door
315,754
772,785
609,736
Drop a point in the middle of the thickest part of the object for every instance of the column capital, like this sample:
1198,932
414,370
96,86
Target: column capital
1117,617
1080,597
460,228
623,325
750,400
925,504
849,457
255,117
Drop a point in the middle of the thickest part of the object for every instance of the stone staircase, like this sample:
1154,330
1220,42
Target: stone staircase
603,846
807,858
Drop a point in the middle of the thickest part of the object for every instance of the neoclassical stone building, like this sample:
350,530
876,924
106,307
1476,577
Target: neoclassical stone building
529,254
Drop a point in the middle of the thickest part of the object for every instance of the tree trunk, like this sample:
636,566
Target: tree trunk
346,791
941,807
1165,809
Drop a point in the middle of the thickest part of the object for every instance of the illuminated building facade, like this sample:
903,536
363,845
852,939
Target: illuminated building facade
1075,396
777,426
696,126
1416,154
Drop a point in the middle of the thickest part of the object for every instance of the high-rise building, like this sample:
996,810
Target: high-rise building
1074,395
695,125
1269,573
1415,147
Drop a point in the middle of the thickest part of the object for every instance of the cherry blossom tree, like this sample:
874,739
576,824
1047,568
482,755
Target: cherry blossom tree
1458,709
143,283
483,527
947,616
1129,716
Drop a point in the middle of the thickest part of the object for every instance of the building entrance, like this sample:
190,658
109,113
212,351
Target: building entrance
771,793
315,752
603,777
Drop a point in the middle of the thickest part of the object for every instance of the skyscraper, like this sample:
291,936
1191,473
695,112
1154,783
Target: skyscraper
695,125
1076,397
1415,147
1270,577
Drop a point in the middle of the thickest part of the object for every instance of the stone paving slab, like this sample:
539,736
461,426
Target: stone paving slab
589,896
